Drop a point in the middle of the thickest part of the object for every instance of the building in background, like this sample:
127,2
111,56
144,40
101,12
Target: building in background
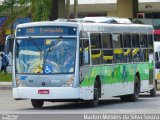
147,8
149,13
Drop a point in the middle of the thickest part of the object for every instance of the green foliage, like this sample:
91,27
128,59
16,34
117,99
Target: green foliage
13,10
38,10
5,77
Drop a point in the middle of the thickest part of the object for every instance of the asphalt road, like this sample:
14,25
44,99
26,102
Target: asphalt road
145,105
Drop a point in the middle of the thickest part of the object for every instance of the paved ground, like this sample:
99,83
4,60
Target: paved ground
145,105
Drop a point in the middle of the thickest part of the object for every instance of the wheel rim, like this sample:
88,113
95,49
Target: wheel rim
96,94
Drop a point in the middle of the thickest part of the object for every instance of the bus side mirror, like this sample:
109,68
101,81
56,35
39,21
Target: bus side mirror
8,42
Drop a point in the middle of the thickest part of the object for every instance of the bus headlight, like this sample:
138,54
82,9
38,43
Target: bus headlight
69,82
19,83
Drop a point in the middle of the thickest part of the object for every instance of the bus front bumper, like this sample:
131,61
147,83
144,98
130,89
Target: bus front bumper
46,93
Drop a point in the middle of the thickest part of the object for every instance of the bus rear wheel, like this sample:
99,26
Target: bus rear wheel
153,92
135,96
37,103
94,102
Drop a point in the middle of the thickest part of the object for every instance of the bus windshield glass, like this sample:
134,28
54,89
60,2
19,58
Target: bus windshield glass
45,56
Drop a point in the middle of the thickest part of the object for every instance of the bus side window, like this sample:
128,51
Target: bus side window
80,53
150,47
118,51
156,56
96,52
136,48
150,41
107,48
143,48
127,48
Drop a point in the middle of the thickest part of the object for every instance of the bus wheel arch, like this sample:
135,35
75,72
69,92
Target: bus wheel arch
99,84
156,84
137,87
138,75
96,93
153,92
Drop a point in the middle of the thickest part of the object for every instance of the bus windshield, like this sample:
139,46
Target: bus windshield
45,56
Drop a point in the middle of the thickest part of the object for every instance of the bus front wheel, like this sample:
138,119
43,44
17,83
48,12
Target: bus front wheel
37,103
94,102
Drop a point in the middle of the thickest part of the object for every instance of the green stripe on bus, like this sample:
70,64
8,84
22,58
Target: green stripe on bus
117,74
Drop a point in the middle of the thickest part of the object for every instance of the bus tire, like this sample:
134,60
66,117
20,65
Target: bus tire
153,92
37,103
94,102
133,97
156,85
124,98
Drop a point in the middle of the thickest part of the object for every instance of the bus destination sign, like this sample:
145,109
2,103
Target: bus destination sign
47,31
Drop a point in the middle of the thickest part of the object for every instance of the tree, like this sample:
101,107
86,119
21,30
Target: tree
75,8
38,10
67,9
10,9
42,10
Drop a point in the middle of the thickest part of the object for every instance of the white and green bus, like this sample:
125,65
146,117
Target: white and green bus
82,61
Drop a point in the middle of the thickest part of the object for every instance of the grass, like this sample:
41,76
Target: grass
5,77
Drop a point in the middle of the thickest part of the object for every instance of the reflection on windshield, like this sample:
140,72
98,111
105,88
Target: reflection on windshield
45,56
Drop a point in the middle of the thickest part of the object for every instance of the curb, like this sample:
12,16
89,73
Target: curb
5,85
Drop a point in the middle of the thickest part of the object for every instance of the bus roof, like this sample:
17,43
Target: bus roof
107,20
93,27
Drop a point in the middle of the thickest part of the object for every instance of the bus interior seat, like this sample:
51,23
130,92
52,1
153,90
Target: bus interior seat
135,55
135,51
108,59
96,58
127,52
118,55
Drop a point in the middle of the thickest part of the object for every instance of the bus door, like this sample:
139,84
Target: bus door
84,59
85,70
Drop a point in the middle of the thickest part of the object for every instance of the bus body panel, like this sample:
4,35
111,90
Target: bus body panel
117,89
117,78
54,93
43,80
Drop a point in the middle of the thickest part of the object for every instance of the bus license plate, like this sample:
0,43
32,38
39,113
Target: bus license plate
43,91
